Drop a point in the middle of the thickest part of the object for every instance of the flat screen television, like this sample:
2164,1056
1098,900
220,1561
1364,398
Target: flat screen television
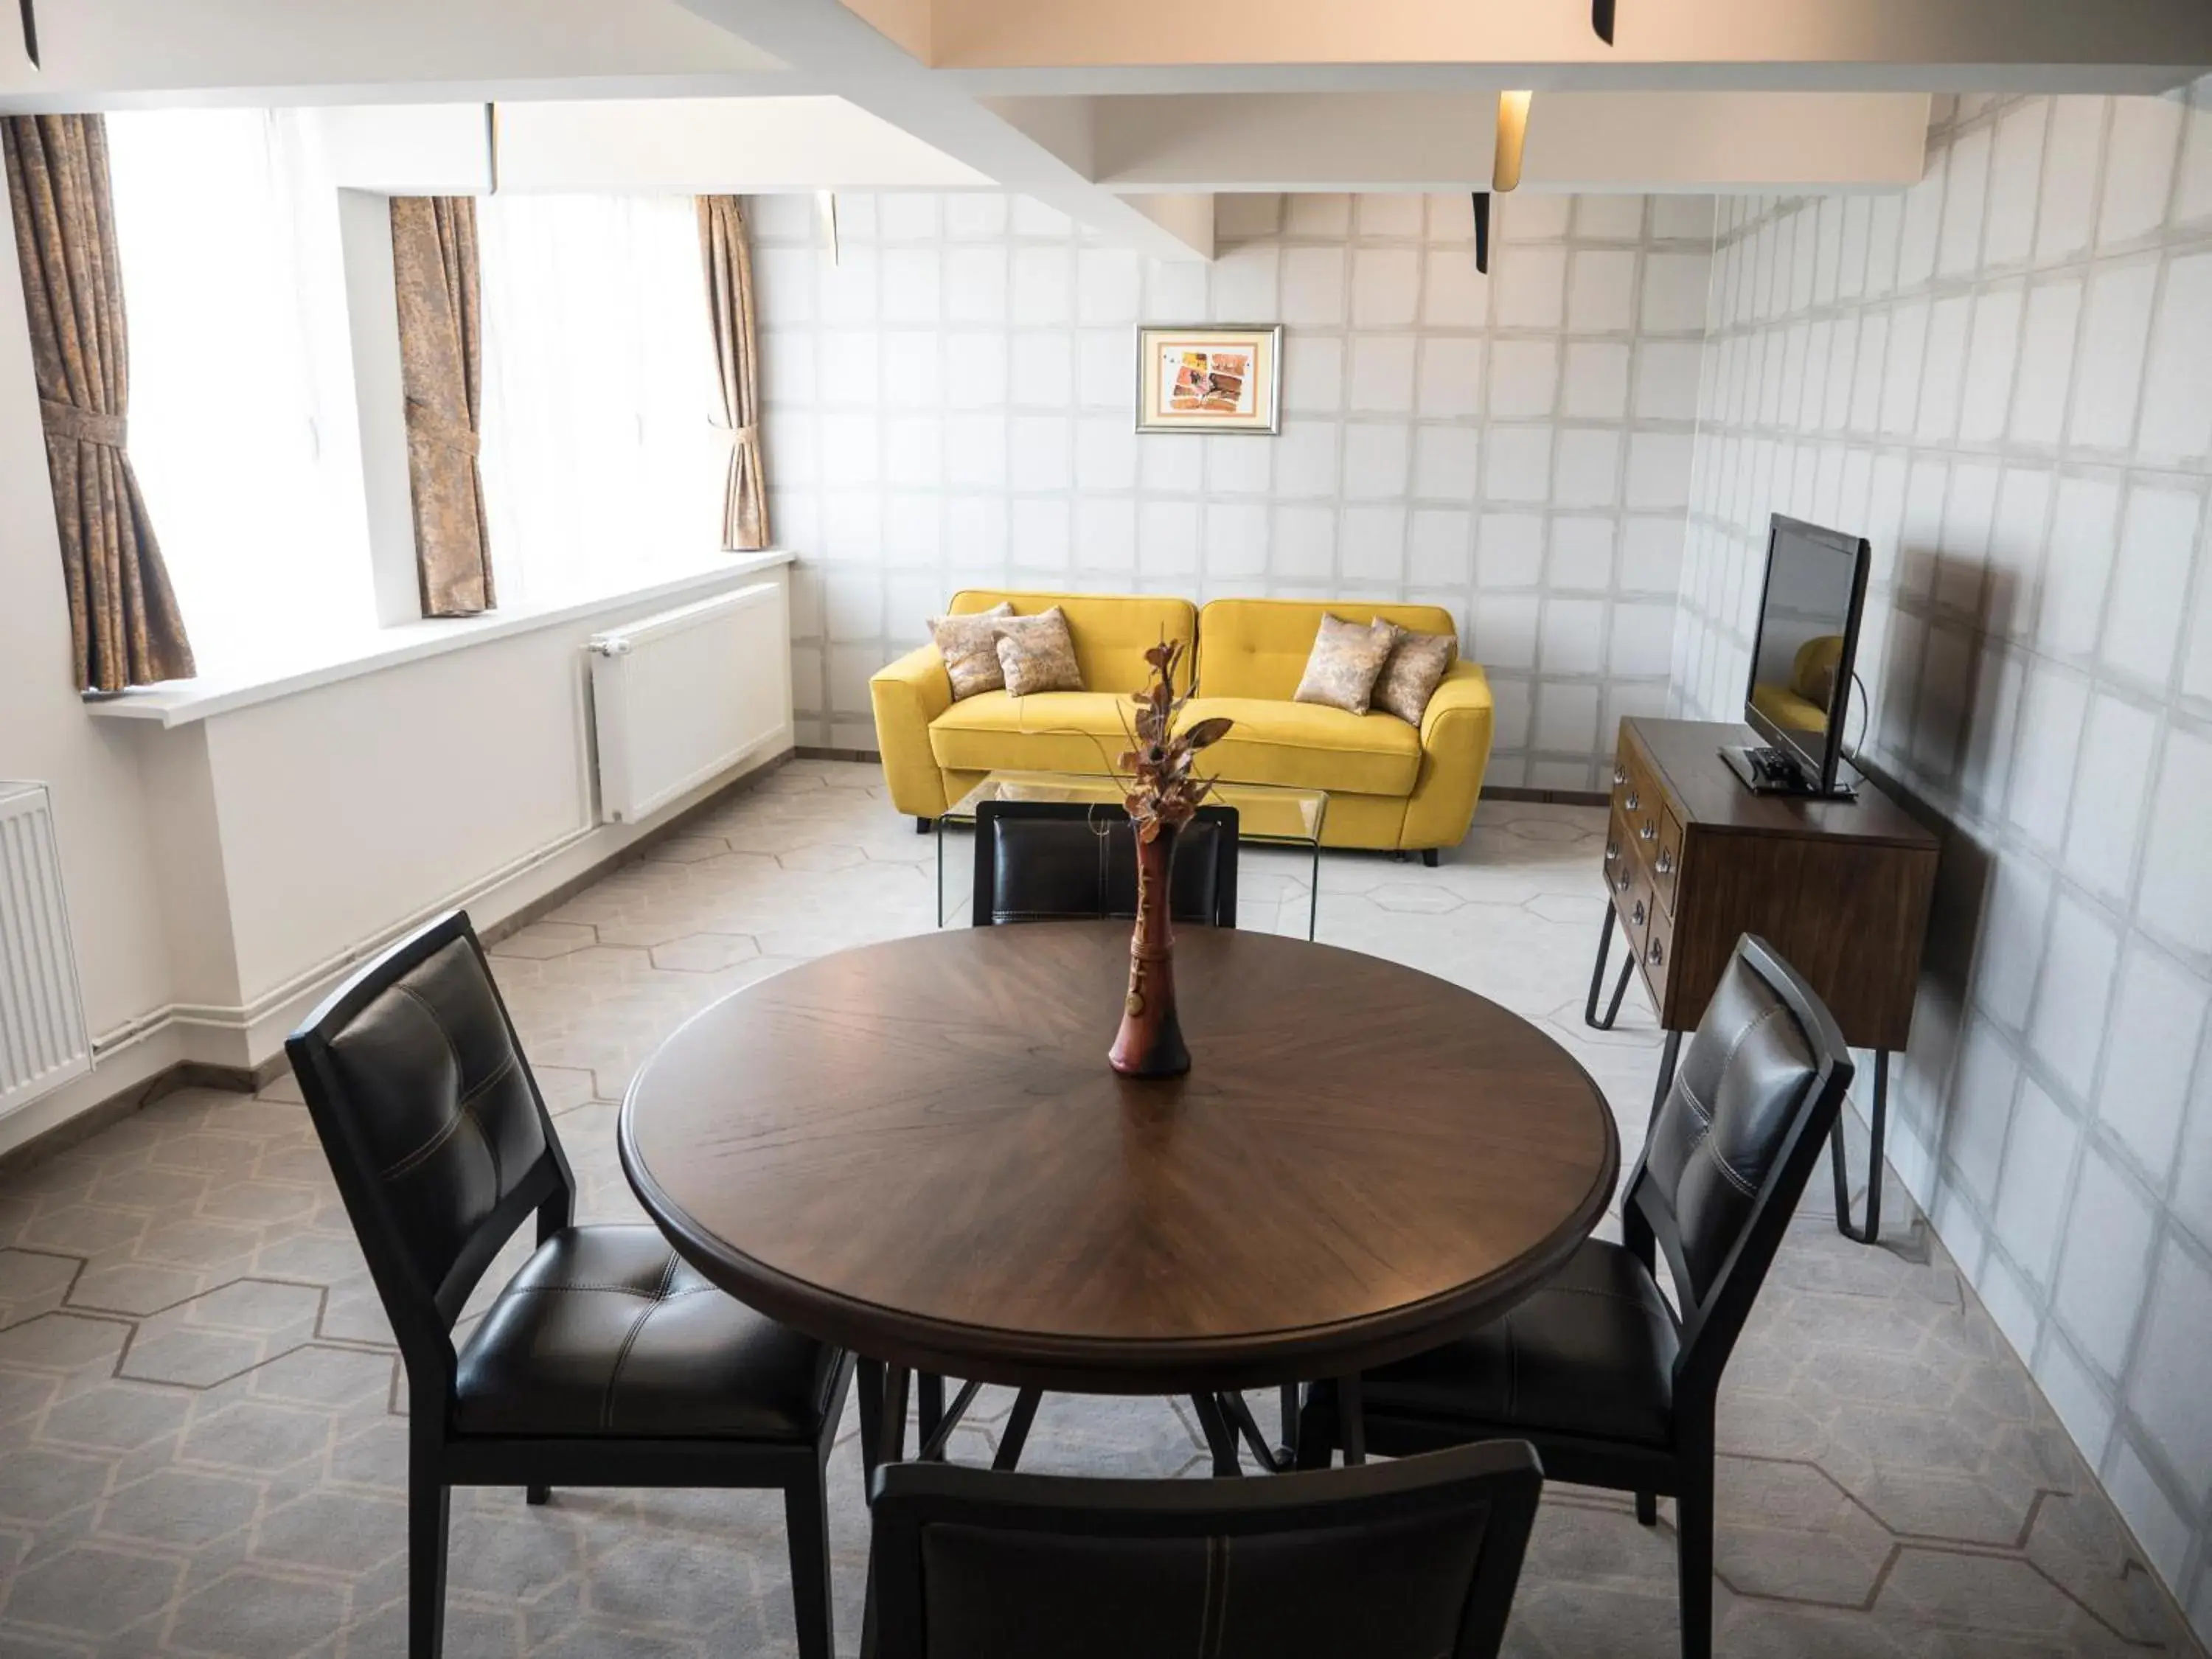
1802,658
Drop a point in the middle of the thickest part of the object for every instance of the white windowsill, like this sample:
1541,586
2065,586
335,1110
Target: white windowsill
184,701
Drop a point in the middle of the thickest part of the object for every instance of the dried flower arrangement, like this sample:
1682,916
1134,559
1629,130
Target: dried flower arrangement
1161,791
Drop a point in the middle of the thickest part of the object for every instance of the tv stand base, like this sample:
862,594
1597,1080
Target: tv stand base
1768,772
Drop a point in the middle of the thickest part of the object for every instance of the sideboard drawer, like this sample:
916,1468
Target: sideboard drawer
1667,862
1656,955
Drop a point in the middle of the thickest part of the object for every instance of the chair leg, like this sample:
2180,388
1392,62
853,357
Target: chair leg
538,1494
1647,1508
1316,1441
869,1375
428,1510
1693,1544
806,1519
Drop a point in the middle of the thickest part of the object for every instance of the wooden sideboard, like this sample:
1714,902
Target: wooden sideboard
1693,860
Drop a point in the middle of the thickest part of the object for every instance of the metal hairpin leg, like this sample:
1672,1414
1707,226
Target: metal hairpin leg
1276,1460
1220,1438
1877,1127
1597,979
1016,1434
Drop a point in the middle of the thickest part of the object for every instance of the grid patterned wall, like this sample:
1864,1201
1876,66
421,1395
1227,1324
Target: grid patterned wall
2005,377
951,403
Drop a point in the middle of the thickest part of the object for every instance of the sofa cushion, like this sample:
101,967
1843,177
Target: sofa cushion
969,646
1111,632
1346,660
1046,731
1259,647
1309,747
1036,655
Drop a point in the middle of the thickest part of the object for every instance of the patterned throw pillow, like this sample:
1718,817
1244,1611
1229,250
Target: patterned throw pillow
969,646
1038,654
1410,678
1347,657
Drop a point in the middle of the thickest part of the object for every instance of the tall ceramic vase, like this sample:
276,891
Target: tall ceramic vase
1149,1042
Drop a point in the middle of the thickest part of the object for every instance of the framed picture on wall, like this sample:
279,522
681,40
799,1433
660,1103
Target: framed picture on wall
1210,377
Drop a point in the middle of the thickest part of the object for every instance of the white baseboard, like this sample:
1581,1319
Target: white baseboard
250,1038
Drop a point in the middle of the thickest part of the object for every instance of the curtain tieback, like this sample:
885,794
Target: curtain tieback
441,428
87,426
739,435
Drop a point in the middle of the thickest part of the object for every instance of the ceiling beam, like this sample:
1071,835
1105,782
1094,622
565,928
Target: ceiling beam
1041,153
2111,45
1446,140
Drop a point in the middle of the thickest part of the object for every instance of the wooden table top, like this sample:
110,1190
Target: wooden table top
916,1150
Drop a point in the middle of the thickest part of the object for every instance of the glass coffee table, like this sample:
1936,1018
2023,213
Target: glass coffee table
1267,815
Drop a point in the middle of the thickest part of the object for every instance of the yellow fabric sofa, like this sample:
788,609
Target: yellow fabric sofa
1389,785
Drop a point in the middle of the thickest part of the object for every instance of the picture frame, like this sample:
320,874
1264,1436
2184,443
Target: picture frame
1210,377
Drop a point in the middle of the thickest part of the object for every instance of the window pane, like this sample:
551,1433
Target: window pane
226,265
602,463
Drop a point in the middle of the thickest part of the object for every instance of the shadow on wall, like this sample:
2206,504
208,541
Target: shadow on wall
1922,714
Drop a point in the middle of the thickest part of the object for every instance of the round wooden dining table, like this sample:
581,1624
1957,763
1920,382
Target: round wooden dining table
916,1150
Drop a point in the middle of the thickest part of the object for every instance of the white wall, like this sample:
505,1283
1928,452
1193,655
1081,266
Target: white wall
222,874
311,828
2004,378
952,405
106,836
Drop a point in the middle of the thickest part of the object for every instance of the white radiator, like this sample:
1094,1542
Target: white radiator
678,698
42,1037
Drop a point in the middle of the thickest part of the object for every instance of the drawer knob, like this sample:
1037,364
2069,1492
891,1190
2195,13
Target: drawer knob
1631,802
1655,956
1638,917
1621,881
1666,865
1611,851
1649,832
1619,776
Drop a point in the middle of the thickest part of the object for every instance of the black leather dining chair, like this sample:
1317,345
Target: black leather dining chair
606,1361
1052,861
1411,1560
1596,1369
1058,860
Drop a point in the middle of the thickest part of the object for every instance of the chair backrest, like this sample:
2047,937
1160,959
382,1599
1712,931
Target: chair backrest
1731,1146
434,1127
1052,861
1259,647
1412,1559
1111,632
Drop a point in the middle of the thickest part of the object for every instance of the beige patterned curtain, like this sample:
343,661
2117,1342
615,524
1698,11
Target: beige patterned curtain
729,264
433,261
123,613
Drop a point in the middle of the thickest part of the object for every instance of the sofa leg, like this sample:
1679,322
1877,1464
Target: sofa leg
1432,856
923,826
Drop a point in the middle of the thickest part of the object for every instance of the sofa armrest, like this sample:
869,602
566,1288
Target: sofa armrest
907,695
1456,733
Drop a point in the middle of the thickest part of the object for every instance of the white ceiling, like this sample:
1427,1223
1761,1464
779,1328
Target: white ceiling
1129,115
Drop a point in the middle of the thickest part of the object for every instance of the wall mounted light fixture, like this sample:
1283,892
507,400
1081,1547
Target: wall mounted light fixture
1482,231
491,146
1512,137
1601,19
825,202
30,31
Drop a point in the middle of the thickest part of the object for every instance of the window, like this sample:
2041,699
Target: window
228,243
603,455
602,459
